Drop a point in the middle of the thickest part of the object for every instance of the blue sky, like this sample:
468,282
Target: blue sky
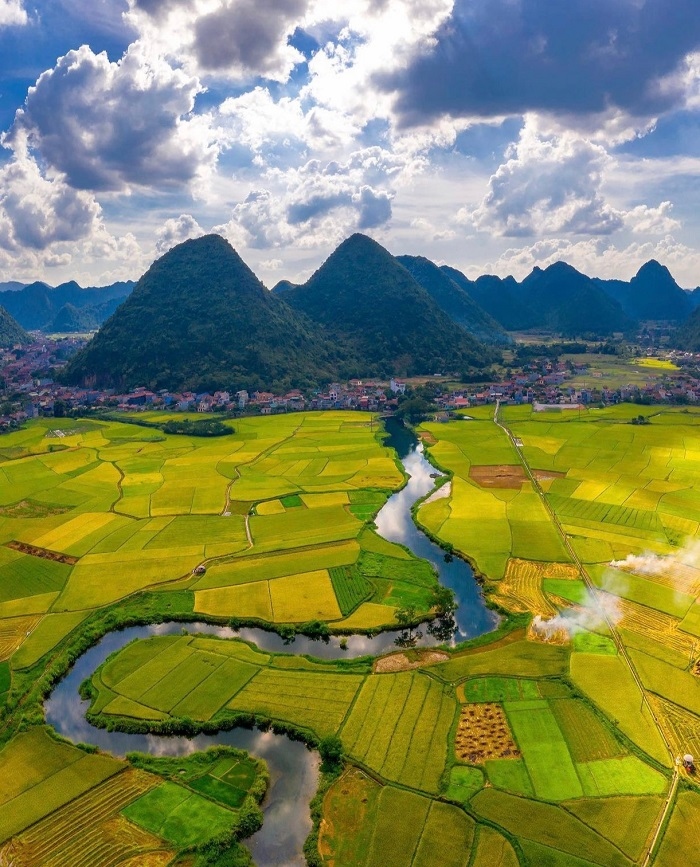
492,135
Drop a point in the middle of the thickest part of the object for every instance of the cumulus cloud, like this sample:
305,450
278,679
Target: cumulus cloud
12,13
37,211
111,126
318,201
597,257
175,231
548,185
500,57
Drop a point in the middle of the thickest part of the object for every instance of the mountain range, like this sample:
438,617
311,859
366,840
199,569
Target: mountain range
68,307
200,319
11,332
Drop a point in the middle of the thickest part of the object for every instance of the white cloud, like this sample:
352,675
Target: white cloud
318,201
548,184
597,257
12,13
113,126
175,231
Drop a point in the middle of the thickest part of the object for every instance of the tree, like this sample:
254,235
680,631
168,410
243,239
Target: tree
443,601
331,751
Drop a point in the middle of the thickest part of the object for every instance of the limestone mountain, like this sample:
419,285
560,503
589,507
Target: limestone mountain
199,319
651,294
36,305
386,321
11,332
455,300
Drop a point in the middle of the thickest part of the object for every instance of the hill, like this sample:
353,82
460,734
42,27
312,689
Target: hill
36,306
562,299
455,300
500,298
283,286
386,321
651,294
687,337
11,332
199,319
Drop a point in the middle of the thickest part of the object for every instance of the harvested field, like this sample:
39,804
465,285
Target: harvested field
671,573
680,726
401,662
521,588
504,476
89,831
651,623
44,553
13,632
540,630
483,733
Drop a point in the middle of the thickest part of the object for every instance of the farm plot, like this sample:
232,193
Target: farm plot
318,702
38,775
180,816
13,632
89,831
483,733
627,822
522,585
399,725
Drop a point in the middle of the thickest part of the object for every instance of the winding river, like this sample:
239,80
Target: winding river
293,768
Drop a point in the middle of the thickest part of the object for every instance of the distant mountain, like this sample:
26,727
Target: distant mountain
455,300
563,300
500,298
651,294
37,305
11,286
11,332
385,320
199,319
283,286
694,297
687,337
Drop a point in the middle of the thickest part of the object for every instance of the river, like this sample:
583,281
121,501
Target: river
293,768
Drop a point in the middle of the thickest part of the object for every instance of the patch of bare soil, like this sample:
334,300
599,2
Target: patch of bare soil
498,476
401,662
44,553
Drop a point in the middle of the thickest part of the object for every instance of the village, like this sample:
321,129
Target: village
29,388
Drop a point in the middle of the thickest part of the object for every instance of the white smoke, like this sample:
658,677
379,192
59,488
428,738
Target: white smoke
594,615
673,565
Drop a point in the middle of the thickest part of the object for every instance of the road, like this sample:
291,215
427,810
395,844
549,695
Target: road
622,650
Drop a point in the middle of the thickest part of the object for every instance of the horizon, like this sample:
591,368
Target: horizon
128,126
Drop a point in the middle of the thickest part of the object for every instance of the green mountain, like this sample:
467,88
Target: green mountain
687,337
500,298
565,301
385,320
37,305
455,300
651,294
11,332
199,319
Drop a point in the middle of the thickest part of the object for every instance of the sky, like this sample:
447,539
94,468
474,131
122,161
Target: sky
490,135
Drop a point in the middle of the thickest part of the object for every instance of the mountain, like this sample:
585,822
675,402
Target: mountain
500,298
454,300
283,286
11,286
36,305
687,337
199,319
373,307
563,300
651,294
11,332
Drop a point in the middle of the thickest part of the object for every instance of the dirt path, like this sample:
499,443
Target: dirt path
622,650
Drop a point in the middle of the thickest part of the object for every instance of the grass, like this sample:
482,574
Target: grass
350,586
511,775
626,822
587,738
522,658
679,843
547,825
464,783
627,775
493,850
349,811
609,684
38,775
500,689
399,725
545,751
179,816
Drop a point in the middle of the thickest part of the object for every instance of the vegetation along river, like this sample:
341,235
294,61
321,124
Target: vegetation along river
293,768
